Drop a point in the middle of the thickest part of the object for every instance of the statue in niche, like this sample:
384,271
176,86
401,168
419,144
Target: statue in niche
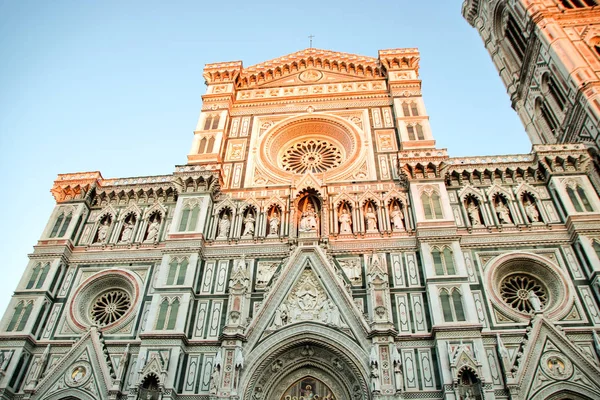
214,380
333,314
503,212
345,222
249,225
396,216
224,226
103,231
274,224
281,316
127,230
375,384
371,218
473,211
308,221
153,230
352,270
531,210
398,373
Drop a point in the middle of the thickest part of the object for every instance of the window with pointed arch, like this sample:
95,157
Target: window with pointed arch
410,109
579,198
167,314
206,145
38,276
177,271
211,122
189,217
20,316
595,43
415,132
432,205
62,224
452,306
443,261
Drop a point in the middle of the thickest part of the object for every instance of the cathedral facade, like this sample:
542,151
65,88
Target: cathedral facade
316,245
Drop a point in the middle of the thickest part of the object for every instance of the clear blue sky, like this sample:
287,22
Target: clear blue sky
115,86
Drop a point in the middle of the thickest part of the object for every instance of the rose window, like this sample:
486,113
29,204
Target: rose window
516,292
311,156
110,307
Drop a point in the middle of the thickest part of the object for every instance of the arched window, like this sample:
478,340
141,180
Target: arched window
443,261
414,109
410,109
38,276
579,199
211,122
202,146
20,317
167,314
60,226
420,135
514,34
189,218
173,314
452,307
432,205
15,318
405,109
162,314
411,132
177,271
210,144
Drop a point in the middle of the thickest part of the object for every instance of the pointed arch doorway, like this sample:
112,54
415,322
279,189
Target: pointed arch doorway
315,363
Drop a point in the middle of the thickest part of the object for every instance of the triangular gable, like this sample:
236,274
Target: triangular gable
310,65
551,362
305,265
84,369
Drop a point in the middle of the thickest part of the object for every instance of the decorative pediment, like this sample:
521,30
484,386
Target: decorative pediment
86,370
550,362
307,290
308,66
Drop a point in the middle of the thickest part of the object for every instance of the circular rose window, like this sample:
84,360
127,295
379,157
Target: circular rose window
521,283
107,299
311,156
109,307
516,291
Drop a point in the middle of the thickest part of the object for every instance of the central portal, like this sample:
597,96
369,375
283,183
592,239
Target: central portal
308,388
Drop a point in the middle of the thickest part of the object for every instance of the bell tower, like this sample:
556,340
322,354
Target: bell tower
547,53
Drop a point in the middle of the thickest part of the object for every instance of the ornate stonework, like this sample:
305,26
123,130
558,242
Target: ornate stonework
317,245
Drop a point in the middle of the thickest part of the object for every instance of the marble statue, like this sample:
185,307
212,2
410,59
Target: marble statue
127,232
102,232
249,225
224,226
396,216
274,225
308,221
345,222
473,211
371,218
535,302
531,211
152,231
503,213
